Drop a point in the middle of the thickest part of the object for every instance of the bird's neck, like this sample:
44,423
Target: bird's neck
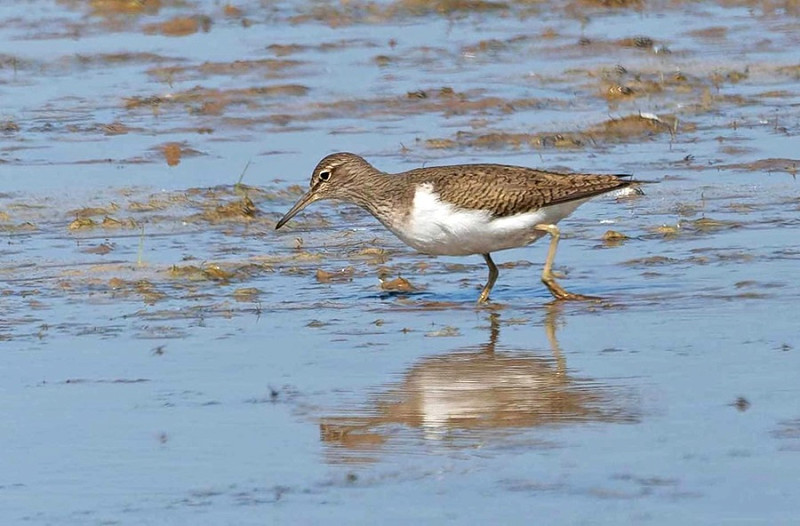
381,195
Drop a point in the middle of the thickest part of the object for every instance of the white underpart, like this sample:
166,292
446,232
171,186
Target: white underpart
439,228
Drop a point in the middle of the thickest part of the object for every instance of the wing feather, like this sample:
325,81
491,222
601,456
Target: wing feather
509,190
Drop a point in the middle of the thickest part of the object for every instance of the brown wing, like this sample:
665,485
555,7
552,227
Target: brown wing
508,190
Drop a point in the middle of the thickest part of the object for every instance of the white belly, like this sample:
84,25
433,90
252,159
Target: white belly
438,228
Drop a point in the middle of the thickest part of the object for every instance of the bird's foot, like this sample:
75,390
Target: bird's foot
484,297
560,294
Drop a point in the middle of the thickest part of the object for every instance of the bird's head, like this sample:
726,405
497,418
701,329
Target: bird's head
337,176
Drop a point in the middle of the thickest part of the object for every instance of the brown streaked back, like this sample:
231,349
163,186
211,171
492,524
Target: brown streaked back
507,190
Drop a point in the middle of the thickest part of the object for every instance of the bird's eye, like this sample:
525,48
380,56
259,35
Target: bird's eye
325,175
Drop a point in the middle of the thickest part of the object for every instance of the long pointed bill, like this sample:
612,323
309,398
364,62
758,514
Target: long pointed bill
303,202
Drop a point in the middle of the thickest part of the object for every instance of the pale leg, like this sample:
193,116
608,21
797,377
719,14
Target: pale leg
548,279
492,278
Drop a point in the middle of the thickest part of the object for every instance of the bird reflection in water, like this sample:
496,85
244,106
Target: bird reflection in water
481,393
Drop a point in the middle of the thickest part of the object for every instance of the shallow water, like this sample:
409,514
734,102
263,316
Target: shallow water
168,357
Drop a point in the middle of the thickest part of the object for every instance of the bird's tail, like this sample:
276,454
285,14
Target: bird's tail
634,186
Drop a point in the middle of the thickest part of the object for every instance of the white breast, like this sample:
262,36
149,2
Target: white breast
439,228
